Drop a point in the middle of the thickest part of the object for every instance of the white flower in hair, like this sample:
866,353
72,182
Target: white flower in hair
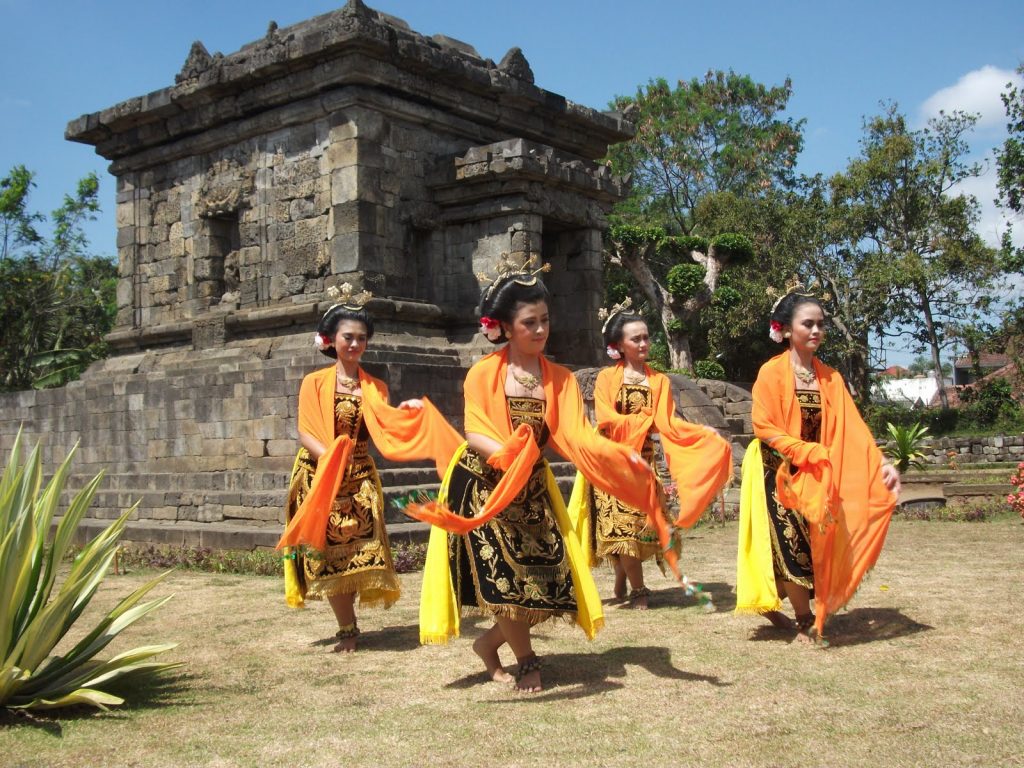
613,353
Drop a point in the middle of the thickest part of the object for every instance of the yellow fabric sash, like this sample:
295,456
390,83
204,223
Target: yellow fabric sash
294,595
439,610
755,574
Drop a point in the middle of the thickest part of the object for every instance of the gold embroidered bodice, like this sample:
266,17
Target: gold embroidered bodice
633,398
529,410
348,420
810,414
810,425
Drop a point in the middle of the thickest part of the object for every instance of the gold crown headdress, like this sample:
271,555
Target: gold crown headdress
812,290
607,314
347,298
507,268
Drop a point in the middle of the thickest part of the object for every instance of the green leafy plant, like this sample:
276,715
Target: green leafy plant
709,369
33,620
905,447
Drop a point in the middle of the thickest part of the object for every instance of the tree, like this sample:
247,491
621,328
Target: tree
1010,158
17,225
716,138
904,219
56,302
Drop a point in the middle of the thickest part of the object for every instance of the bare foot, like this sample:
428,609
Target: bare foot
491,661
530,683
804,628
528,675
638,598
348,645
780,620
346,636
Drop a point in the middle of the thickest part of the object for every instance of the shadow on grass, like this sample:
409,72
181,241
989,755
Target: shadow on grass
400,638
569,676
140,694
870,625
856,627
674,596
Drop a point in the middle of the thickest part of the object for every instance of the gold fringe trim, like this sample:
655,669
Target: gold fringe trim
375,587
531,616
636,549
436,639
757,610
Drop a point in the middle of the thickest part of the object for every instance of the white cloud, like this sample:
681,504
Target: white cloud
993,219
11,102
976,92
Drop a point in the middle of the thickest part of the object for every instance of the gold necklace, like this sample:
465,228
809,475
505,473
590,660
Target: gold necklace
347,382
527,381
632,377
804,376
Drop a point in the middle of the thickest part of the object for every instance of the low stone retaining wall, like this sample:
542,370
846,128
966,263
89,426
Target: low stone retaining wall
973,450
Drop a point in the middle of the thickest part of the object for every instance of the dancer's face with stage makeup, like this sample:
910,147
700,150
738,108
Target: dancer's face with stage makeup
350,341
635,344
528,332
807,330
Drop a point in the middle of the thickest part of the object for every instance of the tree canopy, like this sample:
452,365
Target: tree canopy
57,302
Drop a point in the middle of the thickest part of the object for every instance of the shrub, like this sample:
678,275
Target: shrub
988,402
1016,498
709,369
685,280
33,620
905,447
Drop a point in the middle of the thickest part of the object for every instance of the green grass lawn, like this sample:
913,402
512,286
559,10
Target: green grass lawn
925,669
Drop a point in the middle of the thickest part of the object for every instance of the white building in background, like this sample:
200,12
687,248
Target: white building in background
913,392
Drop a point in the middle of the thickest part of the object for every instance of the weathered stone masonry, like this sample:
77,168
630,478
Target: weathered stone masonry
346,148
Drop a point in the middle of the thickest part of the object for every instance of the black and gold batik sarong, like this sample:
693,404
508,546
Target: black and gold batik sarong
515,565
791,541
358,555
617,528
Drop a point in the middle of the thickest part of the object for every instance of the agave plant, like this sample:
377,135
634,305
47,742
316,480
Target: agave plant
906,442
33,619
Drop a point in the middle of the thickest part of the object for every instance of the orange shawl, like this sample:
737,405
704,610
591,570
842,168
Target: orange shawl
839,488
699,460
399,434
604,463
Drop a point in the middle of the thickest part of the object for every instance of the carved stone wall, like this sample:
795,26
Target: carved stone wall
346,148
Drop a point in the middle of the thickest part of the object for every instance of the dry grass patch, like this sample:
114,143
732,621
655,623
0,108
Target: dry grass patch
925,669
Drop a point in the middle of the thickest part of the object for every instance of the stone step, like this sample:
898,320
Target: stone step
256,479
219,535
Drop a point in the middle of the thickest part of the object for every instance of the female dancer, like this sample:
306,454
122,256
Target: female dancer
336,539
817,496
632,402
522,566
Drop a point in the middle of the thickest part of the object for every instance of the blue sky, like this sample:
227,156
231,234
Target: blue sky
65,58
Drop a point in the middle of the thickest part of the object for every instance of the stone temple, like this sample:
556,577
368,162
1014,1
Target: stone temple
346,148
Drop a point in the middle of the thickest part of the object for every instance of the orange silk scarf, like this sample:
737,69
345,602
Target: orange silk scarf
399,434
839,488
604,463
699,460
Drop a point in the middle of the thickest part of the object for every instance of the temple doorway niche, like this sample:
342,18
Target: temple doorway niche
576,291
215,264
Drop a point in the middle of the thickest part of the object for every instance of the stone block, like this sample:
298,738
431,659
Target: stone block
344,251
301,209
345,185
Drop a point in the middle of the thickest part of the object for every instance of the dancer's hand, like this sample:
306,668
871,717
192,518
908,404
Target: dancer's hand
891,478
639,461
411,405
